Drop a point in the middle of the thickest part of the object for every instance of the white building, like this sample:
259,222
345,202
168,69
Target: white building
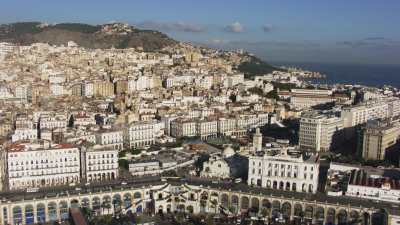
24,134
110,138
207,128
375,187
42,164
227,126
142,134
144,168
183,128
360,114
100,163
23,92
53,121
319,132
88,89
285,169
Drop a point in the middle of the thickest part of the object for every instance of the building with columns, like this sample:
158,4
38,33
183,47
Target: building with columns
157,197
284,168
99,163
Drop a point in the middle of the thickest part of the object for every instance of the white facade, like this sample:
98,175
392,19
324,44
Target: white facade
24,134
319,132
37,165
216,167
101,164
360,114
141,134
144,168
88,89
110,138
284,170
368,186
183,128
52,122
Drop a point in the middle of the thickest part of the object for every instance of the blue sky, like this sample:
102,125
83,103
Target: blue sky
340,31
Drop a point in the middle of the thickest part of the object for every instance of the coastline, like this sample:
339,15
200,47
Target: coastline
370,75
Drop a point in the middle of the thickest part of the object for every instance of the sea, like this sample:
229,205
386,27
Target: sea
371,75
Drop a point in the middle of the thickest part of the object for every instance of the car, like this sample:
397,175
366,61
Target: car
87,184
238,180
214,182
72,184
32,190
124,183
78,189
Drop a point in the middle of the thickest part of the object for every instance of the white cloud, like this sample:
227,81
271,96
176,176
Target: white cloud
235,27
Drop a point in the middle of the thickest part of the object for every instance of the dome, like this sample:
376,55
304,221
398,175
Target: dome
228,152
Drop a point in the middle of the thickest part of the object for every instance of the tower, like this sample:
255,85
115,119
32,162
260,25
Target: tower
257,140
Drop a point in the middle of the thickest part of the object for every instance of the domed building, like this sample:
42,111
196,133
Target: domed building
228,152
227,165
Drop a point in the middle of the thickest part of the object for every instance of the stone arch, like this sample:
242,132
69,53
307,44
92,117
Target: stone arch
234,203
74,203
342,216
29,214
204,195
379,217
298,210
286,210
106,204
265,203
294,186
64,211
190,209
127,200
160,209
225,200
52,211
320,214
366,218
276,208
304,187
137,195
255,205
17,215
245,202
214,194
287,186
85,203
265,207
281,185
354,216
117,202
309,212
41,213
330,215
96,204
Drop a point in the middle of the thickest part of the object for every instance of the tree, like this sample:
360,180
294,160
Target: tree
123,163
135,151
121,154
265,212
